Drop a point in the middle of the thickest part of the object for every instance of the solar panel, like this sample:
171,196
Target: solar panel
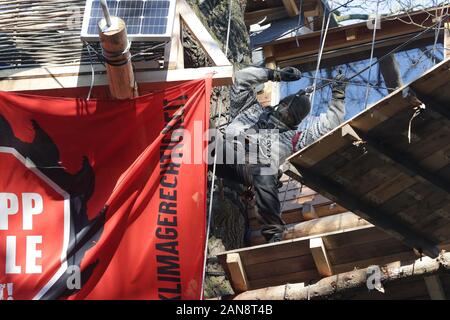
146,20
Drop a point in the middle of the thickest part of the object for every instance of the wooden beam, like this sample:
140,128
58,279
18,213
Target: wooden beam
434,287
237,272
337,38
265,98
203,36
316,12
333,191
447,40
45,78
174,53
387,153
268,15
350,34
320,257
308,211
291,7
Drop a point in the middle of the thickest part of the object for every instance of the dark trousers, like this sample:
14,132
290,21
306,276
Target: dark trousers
265,188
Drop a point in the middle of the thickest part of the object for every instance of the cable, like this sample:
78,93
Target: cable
92,74
436,36
371,54
321,78
322,46
228,28
213,179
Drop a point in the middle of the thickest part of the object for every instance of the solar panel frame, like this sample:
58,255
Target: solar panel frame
133,22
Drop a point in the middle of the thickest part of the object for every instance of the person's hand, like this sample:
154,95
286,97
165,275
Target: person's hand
286,74
290,74
338,86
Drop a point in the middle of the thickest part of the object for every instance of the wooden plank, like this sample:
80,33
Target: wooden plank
314,155
291,7
270,62
80,76
204,38
368,212
301,276
287,248
376,260
315,12
285,49
280,267
364,251
427,197
343,222
427,212
407,164
237,272
434,287
174,51
320,256
390,188
357,236
268,15
447,40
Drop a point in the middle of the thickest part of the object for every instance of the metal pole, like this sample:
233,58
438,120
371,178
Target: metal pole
106,12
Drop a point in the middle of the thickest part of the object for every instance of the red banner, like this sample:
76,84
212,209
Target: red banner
100,199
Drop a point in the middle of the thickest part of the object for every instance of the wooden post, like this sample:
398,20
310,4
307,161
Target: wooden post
119,69
266,97
434,287
447,40
237,272
320,257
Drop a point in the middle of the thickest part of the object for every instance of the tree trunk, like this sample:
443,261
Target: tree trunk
352,280
228,223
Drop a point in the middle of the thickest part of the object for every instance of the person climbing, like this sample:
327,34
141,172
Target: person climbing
262,138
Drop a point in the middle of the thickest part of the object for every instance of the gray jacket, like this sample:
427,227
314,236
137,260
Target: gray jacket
245,111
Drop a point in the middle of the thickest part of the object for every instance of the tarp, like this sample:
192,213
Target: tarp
102,199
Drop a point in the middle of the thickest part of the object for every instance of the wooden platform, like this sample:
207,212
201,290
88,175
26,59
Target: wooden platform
311,258
369,166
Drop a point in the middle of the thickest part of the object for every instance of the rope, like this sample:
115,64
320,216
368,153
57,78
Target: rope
321,78
417,111
436,36
322,46
213,179
300,9
228,28
404,44
285,194
92,74
371,55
